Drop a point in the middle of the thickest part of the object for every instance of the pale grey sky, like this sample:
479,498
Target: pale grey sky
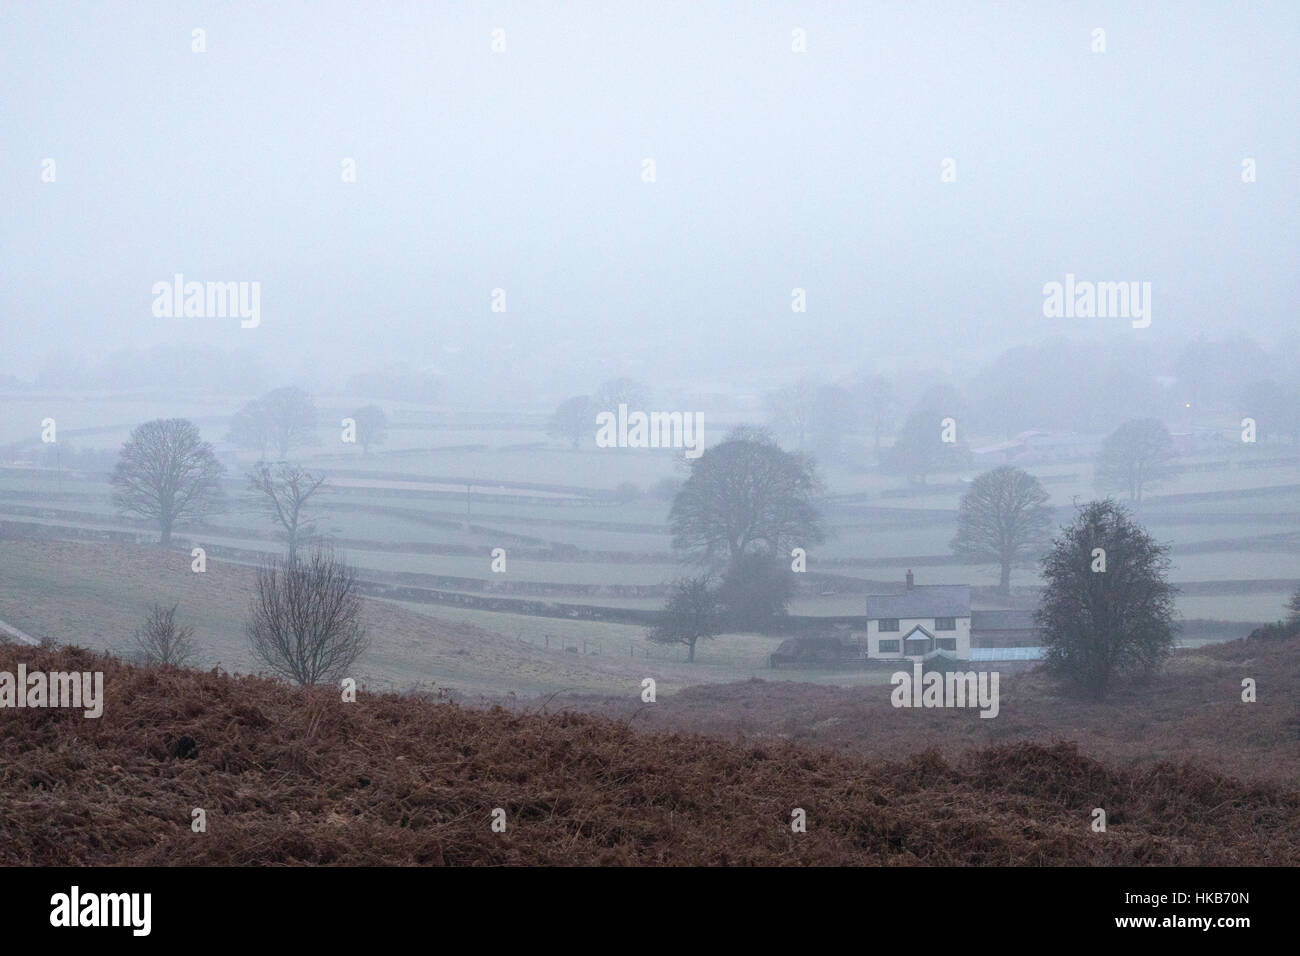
522,170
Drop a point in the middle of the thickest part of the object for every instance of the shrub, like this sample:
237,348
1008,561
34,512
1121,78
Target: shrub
162,640
305,622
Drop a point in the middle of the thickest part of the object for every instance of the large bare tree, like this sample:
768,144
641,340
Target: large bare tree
305,621
621,391
791,411
877,403
919,450
811,416
250,429
745,494
167,473
282,492
1135,455
574,419
282,419
1003,518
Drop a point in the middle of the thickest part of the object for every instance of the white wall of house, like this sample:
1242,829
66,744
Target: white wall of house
874,636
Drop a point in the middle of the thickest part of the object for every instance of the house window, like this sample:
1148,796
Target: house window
946,643
945,624
888,624
889,647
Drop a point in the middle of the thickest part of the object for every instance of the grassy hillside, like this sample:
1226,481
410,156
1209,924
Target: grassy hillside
95,595
296,776
448,487
1192,709
428,507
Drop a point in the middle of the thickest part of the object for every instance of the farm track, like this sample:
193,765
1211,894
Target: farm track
8,630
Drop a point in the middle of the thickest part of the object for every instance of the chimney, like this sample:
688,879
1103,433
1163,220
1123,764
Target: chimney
910,582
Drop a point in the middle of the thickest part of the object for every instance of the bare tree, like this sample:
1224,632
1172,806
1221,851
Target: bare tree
162,640
621,391
877,404
1135,455
305,620
574,419
746,494
283,492
281,419
1003,518
166,473
372,427
920,449
791,411
250,429
692,612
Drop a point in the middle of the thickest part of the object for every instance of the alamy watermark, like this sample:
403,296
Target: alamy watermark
951,689
652,430
208,300
75,908
1100,300
81,690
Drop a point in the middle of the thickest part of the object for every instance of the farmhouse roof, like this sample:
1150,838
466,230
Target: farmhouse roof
1010,620
922,600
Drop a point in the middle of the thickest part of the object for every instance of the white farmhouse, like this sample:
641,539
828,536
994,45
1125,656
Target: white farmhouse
917,623
919,620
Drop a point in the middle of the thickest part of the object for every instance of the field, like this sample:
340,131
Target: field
53,588
427,508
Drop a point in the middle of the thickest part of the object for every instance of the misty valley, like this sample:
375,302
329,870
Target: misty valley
654,436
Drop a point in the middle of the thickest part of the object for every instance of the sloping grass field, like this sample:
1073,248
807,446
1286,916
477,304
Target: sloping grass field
402,511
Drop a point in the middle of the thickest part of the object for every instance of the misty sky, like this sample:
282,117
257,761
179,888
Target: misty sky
522,170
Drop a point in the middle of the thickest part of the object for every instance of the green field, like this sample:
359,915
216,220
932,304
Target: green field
394,509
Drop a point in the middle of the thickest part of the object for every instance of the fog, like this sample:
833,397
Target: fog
522,170
644,433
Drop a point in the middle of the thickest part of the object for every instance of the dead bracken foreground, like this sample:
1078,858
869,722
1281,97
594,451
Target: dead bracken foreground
297,777
1192,709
